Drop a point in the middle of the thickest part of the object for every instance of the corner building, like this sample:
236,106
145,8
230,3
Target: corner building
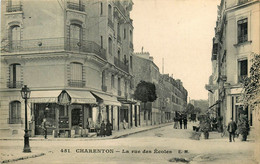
236,39
75,56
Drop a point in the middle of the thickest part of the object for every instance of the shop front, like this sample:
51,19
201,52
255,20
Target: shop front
67,112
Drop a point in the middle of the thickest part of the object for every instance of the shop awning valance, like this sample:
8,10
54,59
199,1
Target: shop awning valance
107,100
81,97
44,96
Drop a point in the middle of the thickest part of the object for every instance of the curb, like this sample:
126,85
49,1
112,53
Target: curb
84,139
22,158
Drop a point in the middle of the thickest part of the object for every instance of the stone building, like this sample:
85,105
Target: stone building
146,70
76,58
236,38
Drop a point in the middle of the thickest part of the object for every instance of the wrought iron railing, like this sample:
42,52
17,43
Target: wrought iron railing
14,121
120,7
76,83
49,44
121,65
243,1
13,8
14,84
242,39
110,23
76,6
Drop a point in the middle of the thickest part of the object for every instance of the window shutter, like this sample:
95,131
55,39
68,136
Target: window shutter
68,72
84,73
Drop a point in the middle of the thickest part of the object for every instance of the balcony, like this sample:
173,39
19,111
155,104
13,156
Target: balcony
104,88
110,23
14,84
76,6
14,8
121,65
76,83
120,7
241,78
243,1
119,93
14,121
54,44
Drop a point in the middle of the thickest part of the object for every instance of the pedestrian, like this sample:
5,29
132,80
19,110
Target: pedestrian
102,129
44,127
232,127
180,120
185,122
175,123
124,124
108,128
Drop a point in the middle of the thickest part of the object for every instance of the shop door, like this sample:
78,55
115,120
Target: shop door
76,117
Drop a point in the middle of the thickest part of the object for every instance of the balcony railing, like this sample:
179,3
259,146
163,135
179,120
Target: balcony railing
110,23
120,7
14,120
76,83
51,44
14,84
104,88
76,6
121,65
14,8
243,1
242,39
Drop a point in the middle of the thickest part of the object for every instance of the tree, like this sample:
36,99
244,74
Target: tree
189,109
145,92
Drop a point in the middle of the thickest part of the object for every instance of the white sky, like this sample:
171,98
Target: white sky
181,32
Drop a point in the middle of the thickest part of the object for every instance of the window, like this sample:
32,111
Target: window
131,62
101,8
103,78
125,61
101,41
76,5
75,36
109,12
112,81
15,113
118,54
242,31
125,86
110,46
76,75
14,6
242,74
124,33
118,84
15,37
118,29
131,36
15,80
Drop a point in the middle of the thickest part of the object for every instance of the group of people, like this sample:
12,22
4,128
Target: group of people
178,121
105,129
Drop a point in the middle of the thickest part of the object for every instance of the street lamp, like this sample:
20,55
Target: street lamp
25,93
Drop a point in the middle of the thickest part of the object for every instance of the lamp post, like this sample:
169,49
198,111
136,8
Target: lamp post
25,93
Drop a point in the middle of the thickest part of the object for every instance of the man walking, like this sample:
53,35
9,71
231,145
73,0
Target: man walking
44,128
185,122
180,120
232,127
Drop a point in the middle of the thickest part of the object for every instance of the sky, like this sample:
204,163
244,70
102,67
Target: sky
181,32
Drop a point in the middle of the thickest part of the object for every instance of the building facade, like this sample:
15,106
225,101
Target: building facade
236,39
76,58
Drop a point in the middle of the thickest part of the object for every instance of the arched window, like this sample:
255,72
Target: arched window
15,76
15,37
15,113
75,36
76,75
110,12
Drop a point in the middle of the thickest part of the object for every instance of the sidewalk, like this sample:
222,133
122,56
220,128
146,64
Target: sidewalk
10,155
